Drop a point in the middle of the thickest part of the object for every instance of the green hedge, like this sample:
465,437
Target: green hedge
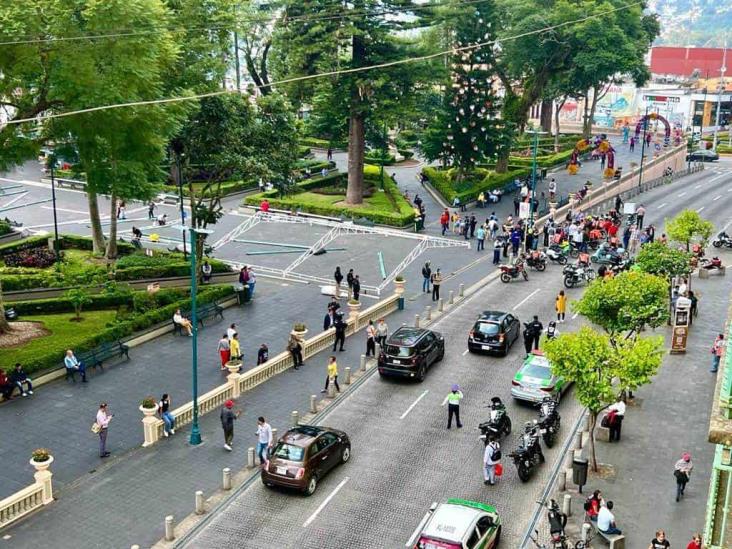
69,241
5,228
469,189
53,358
321,143
63,305
546,161
377,159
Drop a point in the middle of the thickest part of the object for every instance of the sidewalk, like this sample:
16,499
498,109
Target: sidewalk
668,417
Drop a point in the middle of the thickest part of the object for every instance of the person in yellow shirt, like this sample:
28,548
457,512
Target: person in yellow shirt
332,375
234,347
561,306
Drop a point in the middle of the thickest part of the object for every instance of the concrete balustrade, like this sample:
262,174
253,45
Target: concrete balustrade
33,497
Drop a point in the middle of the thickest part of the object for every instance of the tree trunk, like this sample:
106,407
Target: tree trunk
586,122
111,252
546,115
356,151
556,124
4,324
96,223
502,163
593,454
595,99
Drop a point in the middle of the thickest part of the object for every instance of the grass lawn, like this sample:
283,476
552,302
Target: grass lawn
64,335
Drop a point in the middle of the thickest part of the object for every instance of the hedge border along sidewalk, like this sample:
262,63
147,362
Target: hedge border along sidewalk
52,359
371,173
442,183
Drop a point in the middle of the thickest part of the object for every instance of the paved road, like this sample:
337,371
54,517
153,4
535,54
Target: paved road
412,461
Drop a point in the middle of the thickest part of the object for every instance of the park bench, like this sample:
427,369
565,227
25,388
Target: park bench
95,357
615,541
205,311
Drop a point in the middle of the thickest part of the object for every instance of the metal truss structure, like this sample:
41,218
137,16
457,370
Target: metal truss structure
336,229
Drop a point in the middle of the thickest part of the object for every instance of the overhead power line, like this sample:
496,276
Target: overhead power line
398,62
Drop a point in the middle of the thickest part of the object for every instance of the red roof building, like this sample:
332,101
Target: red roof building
683,62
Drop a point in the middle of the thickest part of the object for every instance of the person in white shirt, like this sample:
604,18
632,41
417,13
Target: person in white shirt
616,424
552,188
72,364
382,332
264,440
183,322
606,520
103,419
491,458
230,331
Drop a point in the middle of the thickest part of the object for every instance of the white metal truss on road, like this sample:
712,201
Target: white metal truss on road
337,228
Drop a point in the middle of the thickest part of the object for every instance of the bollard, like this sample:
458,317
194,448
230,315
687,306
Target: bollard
135,547
567,505
294,418
250,458
404,324
440,305
169,528
226,482
585,439
461,290
377,353
562,481
585,531
578,441
416,321
452,298
313,404
577,454
363,363
428,313
586,423
348,375
331,390
199,503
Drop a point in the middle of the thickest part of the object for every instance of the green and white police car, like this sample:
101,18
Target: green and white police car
458,524
534,380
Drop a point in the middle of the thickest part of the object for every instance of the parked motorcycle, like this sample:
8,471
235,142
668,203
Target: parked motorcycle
536,260
722,240
557,254
549,420
604,254
528,454
498,424
509,272
574,274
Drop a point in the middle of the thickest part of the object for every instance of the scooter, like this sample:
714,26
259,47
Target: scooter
574,274
536,260
557,254
528,454
549,420
722,240
603,255
509,272
498,424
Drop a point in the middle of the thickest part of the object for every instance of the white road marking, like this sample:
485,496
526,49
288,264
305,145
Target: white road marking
681,194
420,397
718,177
729,190
465,352
23,195
716,198
66,210
326,501
698,186
575,316
699,209
532,294
662,205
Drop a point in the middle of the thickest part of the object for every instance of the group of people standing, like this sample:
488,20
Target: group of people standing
433,278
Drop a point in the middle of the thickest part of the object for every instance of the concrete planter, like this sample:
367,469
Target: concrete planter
399,286
233,366
41,465
299,335
353,310
148,412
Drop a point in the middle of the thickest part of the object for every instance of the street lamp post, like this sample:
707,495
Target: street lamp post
643,148
52,164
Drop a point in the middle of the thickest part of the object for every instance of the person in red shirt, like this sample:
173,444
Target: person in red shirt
445,221
264,206
696,542
593,504
612,230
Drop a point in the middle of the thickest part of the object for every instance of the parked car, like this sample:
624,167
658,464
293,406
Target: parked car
703,155
494,331
409,352
458,524
534,380
303,455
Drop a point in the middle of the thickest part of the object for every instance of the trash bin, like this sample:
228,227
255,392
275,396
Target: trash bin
242,293
579,472
400,303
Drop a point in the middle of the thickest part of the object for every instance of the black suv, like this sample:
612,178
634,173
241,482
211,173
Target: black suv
494,331
410,351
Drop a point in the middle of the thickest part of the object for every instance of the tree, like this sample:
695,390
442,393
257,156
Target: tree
78,298
625,304
592,362
4,324
687,226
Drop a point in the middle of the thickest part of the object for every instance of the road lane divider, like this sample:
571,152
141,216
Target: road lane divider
411,407
465,352
326,501
720,176
524,300
662,205
716,198
698,210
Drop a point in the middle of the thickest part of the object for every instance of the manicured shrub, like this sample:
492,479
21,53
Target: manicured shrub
36,258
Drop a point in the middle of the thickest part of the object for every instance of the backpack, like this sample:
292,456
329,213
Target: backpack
496,454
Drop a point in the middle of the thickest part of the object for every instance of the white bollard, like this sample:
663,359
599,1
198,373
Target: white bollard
428,315
313,404
294,418
440,305
585,531
567,505
250,458
199,503
348,375
585,439
226,481
378,351
363,363
416,321
451,300
169,528
461,290
578,441
562,481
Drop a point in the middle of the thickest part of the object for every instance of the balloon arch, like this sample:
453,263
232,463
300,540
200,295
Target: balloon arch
655,116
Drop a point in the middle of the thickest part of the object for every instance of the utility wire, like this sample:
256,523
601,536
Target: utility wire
324,74
297,18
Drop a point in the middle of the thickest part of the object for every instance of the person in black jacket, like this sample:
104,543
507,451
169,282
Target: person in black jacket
349,281
356,287
340,332
536,329
18,377
329,319
338,277
426,276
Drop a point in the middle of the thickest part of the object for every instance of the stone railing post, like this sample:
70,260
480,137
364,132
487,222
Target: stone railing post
233,380
43,478
151,430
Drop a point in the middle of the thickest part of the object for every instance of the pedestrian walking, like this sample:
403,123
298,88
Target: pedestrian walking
349,281
696,542
252,282
552,189
371,339
382,332
640,213
497,247
235,348
491,458
615,423
453,406
329,154
632,144
356,287
717,352
230,331
445,221
436,282
338,277
682,472
340,332
227,416
262,354
224,350
480,234
167,417
660,541
103,419
264,439
151,210
536,329
293,345
426,276
332,376
473,224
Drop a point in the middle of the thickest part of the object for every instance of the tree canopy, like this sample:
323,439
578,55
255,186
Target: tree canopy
687,226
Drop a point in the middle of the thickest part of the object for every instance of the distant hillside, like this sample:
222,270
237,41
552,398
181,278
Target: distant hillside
694,22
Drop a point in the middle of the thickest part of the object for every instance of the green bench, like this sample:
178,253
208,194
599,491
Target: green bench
95,357
203,312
